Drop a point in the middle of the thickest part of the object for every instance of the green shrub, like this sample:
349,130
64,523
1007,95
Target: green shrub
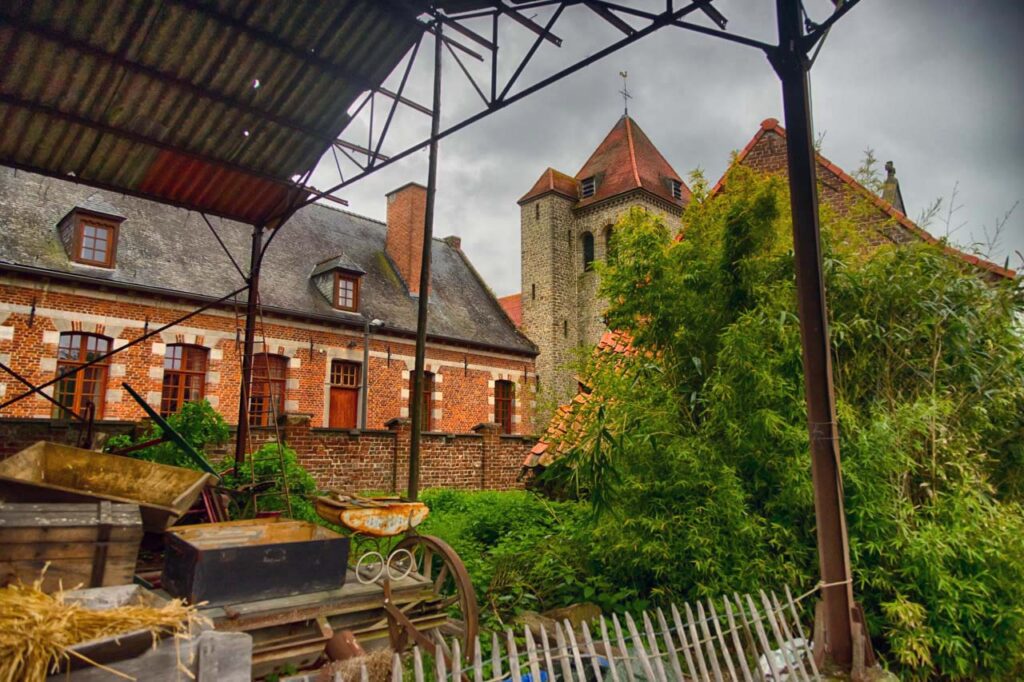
197,422
695,450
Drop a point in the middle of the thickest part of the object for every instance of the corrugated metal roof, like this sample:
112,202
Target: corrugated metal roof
160,99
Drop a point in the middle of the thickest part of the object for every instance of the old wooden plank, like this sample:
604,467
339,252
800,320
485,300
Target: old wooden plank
695,643
546,646
478,662
747,633
709,643
563,654
623,648
609,651
671,651
640,651
495,656
681,634
797,669
417,664
741,654
800,632
766,648
780,616
396,668
570,635
456,659
723,645
513,656
532,658
652,642
588,644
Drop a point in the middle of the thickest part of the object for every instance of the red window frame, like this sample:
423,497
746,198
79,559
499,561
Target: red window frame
504,404
90,234
428,401
346,291
269,382
76,390
184,376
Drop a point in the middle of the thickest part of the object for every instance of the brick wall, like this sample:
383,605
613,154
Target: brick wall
33,314
373,460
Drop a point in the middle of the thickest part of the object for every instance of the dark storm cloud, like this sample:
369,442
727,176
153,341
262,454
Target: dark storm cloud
933,85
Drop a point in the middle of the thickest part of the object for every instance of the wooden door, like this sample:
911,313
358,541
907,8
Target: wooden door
344,407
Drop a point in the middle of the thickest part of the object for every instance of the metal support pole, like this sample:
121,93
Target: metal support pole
255,261
421,317
791,64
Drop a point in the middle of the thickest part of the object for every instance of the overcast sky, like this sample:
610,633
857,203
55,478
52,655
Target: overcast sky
933,85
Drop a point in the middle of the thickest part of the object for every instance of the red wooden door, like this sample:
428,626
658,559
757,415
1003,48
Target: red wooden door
344,404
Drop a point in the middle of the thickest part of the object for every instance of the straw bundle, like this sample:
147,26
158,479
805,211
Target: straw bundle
37,629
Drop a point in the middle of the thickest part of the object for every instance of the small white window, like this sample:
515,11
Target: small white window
588,186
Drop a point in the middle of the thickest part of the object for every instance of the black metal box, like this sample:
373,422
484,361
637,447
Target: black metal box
236,561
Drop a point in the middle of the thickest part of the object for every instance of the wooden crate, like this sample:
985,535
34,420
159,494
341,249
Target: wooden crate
89,544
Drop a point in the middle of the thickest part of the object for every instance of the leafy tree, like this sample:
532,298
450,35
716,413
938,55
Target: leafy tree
696,444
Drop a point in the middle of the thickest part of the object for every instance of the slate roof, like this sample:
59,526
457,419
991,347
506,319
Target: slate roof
165,248
625,161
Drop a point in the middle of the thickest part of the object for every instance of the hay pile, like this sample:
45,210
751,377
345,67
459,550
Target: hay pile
37,629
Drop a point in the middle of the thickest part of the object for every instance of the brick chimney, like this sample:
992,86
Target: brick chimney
407,209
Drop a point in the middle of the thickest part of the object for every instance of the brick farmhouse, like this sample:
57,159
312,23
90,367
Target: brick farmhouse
84,271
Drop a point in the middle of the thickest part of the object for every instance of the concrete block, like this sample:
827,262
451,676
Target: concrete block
6,333
291,406
159,348
114,395
295,363
156,372
51,337
117,370
48,364
216,354
213,378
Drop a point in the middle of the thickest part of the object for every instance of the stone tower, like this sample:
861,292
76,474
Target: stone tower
566,225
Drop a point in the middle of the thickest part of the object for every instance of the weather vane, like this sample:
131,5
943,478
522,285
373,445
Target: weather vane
625,93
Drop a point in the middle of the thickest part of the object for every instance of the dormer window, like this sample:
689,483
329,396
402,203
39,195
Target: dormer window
90,235
95,243
346,291
338,280
677,189
588,186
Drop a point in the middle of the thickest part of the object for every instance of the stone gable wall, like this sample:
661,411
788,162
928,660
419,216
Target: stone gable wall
566,312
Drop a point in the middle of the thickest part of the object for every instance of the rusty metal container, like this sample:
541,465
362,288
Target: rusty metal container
50,472
238,561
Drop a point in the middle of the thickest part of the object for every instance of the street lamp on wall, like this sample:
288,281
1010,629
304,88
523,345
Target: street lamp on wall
376,324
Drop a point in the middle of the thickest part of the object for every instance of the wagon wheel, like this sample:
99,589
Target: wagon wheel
437,562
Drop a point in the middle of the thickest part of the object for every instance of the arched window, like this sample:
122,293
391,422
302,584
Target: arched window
427,417
266,399
79,388
588,251
504,404
609,243
184,376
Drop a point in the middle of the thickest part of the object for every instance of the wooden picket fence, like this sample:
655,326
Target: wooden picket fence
752,639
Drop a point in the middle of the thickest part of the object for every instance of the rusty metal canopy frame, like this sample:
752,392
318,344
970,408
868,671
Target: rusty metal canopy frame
227,107
214,106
